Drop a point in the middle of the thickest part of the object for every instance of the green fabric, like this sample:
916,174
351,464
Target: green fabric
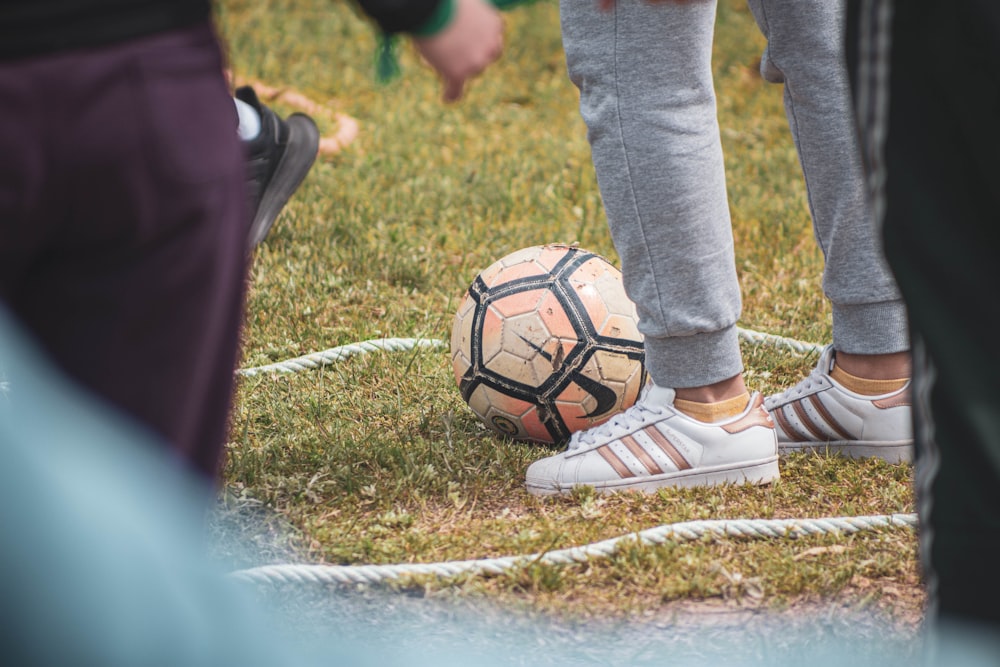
386,59
441,17
386,56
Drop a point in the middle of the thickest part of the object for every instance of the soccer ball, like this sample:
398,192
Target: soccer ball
546,343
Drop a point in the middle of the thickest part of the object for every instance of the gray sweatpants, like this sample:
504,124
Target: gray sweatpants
647,97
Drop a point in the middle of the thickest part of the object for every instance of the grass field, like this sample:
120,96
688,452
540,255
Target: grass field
376,459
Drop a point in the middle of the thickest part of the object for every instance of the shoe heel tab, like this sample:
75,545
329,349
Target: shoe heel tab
902,398
754,415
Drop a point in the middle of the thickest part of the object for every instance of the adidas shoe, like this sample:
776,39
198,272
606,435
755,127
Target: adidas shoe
278,160
818,414
652,445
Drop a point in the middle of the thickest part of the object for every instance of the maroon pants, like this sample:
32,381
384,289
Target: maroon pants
123,227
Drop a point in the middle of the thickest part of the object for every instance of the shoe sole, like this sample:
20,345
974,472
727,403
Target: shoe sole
299,156
900,451
763,471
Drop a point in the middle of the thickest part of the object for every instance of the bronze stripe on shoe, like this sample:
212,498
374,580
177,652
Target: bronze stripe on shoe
786,426
830,421
642,455
667,447
810,425
615,462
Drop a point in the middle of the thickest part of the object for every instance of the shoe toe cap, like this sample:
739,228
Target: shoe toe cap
546,474
560,473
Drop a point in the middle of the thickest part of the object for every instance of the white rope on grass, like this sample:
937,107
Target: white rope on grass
335,354
685,531
781,342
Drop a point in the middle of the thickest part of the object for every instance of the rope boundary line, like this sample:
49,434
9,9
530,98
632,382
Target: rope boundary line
326,357
685,531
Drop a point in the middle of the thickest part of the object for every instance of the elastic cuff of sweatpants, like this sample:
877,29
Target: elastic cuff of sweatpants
871,328
694,361
438,21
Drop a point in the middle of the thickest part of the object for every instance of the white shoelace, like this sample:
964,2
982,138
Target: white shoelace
815,378
620,423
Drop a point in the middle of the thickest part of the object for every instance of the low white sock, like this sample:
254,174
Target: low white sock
249,120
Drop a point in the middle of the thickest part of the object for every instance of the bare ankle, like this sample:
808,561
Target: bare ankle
713,393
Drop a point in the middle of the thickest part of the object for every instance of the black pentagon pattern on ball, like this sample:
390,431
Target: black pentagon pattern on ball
588,343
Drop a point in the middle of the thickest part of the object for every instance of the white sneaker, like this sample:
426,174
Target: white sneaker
818,414
652,445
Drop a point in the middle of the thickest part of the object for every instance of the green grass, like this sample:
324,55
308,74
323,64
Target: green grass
376,459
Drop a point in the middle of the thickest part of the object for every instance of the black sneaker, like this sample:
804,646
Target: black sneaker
278,160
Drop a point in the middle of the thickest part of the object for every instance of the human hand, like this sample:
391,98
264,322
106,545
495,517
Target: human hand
467,46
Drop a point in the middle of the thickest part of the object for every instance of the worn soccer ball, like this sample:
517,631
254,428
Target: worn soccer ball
546,343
